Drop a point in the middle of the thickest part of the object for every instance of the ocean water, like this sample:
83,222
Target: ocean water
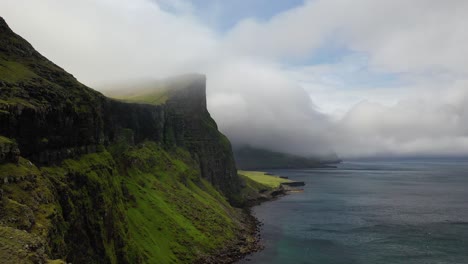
369,212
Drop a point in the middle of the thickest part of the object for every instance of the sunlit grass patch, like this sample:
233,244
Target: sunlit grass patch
271,181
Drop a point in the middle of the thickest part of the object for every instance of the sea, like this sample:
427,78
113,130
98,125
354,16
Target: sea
377,212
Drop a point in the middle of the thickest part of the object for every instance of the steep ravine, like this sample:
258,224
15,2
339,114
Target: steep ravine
89,179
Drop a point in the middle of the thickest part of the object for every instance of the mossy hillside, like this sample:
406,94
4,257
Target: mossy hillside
13,172
20,247
140,204
92,205
78,201
14,72
28,213
25,192
175,216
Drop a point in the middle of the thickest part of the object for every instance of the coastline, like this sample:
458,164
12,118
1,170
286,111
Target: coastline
249,238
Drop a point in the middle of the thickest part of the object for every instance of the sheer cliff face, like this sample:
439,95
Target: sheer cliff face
187,118
51,117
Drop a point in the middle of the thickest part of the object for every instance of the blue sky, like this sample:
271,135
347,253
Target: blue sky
224,14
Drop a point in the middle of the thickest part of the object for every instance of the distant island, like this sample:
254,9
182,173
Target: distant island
251,158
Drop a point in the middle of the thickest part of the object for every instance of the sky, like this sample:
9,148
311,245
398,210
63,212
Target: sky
360,78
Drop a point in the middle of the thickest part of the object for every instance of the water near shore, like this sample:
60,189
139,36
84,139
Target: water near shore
369,212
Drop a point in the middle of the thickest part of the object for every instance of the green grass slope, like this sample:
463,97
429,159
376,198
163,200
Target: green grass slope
141,205
174,215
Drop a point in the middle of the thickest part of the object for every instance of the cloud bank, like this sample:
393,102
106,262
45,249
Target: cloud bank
361,78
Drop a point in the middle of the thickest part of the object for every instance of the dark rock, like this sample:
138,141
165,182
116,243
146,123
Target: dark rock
9,151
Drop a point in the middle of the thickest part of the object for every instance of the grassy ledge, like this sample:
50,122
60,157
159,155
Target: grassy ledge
271,181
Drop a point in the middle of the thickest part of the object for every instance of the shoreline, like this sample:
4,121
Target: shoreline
249,239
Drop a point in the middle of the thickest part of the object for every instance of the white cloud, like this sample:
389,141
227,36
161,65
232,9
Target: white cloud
260,106
258,98
398,35
110,40
430,124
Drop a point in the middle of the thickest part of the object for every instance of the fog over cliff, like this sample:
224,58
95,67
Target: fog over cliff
361,78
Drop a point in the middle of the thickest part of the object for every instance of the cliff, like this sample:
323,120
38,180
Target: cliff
89,179
53,117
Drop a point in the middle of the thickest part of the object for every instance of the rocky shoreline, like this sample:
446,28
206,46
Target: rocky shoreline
249,239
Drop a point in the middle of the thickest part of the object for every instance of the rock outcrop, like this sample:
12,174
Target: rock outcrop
9,151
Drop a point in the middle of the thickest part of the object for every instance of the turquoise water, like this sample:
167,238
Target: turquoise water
369,212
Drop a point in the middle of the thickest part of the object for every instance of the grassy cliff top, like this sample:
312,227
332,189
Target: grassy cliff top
154,92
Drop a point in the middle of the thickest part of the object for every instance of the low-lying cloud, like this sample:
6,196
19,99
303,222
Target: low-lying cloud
424,125
401,89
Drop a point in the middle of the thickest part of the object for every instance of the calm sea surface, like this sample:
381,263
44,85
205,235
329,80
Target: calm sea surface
369,212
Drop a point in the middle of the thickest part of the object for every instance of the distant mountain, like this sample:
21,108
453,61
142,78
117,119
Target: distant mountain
250,158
